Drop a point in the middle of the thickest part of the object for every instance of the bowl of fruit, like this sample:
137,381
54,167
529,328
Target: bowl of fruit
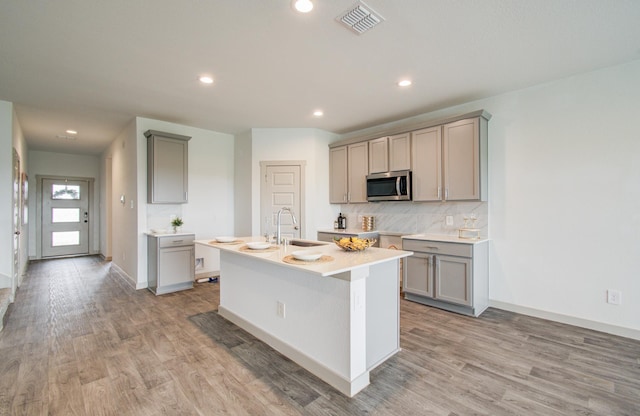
354,243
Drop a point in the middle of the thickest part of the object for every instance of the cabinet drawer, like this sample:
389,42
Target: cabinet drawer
177,241
438,247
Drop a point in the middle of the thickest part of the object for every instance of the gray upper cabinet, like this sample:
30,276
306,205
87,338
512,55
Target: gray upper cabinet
427,164
464,160
450,161
390,153
400,152
379,155
348,168
338,185
167,167
358,169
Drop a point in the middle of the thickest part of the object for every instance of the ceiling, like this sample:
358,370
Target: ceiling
93,65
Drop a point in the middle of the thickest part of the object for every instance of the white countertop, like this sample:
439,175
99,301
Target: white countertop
355,231
343,261
169,234
444,238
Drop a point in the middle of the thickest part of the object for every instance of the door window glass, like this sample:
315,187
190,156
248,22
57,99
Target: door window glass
65,238
65,215
65,191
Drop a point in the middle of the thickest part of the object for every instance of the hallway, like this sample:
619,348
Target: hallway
80,341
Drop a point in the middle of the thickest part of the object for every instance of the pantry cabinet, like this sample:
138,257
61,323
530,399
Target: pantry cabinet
451,276
167,167
348,169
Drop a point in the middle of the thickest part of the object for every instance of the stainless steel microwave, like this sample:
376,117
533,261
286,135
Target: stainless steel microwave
389,186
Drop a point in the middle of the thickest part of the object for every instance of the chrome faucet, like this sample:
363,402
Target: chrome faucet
293,217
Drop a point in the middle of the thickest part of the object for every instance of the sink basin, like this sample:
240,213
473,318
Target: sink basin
306,243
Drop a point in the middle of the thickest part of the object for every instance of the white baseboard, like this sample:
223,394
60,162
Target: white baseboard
566,319
124,276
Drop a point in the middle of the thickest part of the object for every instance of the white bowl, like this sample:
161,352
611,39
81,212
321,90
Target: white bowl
258,245
225,239
306,255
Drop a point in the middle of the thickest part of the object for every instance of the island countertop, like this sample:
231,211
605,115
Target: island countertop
343,261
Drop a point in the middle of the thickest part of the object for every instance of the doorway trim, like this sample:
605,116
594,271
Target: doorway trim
263,172
92,210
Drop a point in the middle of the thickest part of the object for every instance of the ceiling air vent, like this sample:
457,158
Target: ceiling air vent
360,18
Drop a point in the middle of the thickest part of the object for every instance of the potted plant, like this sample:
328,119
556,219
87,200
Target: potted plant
176,223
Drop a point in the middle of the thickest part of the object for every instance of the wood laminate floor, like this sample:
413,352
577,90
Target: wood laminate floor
80,341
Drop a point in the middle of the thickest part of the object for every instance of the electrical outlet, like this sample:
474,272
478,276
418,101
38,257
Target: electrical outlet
614,297
281,309
448,220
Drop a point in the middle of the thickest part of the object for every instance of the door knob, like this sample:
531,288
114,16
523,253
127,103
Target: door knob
17,233
295,227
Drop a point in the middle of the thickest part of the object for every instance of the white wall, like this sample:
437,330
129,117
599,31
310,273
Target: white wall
123,222
209,212
242,183
564,198
64,164
310,145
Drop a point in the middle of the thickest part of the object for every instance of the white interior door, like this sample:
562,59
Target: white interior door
281,188
65,217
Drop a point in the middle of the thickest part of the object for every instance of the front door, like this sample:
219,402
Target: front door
281,188
65,217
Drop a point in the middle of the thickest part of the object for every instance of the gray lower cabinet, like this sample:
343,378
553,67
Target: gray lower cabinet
451,276
171,262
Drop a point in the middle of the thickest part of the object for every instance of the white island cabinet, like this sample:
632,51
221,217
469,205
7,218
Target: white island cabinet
339,319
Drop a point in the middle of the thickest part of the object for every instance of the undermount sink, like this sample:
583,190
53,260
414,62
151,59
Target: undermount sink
306,243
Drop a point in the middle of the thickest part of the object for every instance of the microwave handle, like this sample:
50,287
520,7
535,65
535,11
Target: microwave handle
398,191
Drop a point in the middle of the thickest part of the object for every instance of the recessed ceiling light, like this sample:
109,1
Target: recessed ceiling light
205,79
303,6
71,132
404,83
318,113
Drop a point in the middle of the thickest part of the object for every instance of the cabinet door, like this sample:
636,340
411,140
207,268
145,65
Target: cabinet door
453,279
176,265
167,170
418,274
400,152
461,160
358,168
379,155
338,175
427,167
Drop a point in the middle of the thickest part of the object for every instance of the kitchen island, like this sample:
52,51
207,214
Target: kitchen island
338,317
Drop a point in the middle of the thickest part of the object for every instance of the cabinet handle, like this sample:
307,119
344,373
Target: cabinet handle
439,192
177,241
433,248
446,193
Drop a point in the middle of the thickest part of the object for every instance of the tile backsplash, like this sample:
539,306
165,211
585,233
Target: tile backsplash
418,217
